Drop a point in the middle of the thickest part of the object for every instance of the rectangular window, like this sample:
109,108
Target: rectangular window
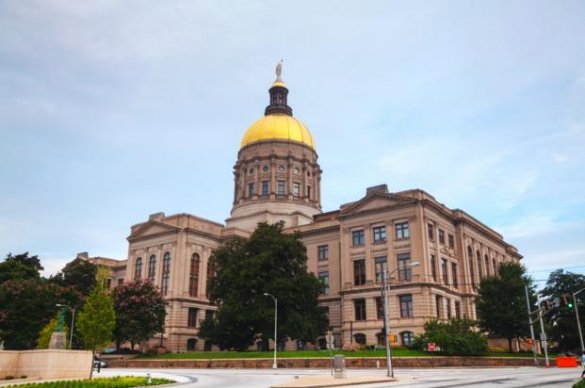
209,314
379,233
379,308
444,269
457,309
360,309
308,191
251,190
448,303
441,236
451,241
434,267
431,231
359,272
357,237
296,189
381,267
406,310
265,188
280,188
454,275
439,305
404,270
192,318
323,252
402,231
324,277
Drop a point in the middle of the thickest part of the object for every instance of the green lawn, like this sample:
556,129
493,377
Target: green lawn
397,352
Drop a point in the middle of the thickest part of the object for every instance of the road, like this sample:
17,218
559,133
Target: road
522,377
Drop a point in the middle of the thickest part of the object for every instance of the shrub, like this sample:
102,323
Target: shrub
110,382
456,337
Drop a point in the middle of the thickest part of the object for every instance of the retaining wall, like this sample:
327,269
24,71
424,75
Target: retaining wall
323,363
45,364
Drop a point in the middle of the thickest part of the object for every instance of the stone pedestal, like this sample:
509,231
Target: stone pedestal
57,340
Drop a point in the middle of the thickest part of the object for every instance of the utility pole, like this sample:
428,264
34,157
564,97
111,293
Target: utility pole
543,339
531,326
385,289
578,320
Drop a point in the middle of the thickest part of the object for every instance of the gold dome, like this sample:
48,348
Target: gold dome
278,127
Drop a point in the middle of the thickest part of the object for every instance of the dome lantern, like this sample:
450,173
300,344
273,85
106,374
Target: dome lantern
278,95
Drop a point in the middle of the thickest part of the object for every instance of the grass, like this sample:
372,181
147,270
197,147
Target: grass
396,352
109,382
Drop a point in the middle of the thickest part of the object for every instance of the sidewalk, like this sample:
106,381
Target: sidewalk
330,381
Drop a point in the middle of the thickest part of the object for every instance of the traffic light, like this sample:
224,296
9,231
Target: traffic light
568,301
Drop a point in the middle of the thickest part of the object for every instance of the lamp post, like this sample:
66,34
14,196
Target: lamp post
274,366
578,320
72,322
385,293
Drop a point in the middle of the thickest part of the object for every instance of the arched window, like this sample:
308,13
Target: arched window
191,344
138,269
381,338
360,338
407,338
470,256
495,267
479,271
488,272
194,274
151,268
166,273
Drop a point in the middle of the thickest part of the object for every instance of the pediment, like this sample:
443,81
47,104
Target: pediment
153,228
376,201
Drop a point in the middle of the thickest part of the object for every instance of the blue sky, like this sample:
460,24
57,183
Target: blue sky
111,111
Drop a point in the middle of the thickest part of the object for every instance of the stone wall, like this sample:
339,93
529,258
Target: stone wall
45,364
323,363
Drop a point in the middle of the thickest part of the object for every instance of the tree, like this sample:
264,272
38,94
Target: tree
79,273
26,306
456,337
562,327
501,303
21,266
272,262
140,312
97,319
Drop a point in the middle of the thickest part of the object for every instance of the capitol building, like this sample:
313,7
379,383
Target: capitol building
277,178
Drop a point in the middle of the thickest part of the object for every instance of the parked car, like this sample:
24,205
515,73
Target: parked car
98,364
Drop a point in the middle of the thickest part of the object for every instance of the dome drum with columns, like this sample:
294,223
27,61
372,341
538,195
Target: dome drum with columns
277,177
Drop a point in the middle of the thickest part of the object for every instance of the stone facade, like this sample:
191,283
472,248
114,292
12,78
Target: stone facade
351,247
277,178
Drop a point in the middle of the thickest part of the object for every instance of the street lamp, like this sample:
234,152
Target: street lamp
578,320
72,322
385,293
274,366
